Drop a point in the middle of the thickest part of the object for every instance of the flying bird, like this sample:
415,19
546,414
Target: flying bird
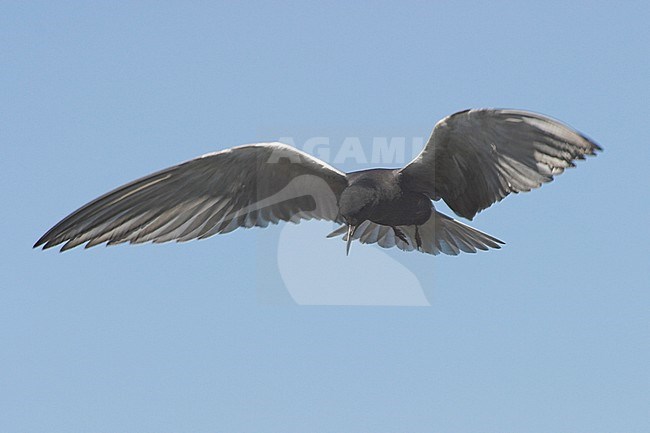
473,159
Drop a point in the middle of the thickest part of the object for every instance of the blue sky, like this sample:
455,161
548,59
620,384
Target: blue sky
548,334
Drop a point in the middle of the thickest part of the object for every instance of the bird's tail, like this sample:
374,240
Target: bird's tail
440,234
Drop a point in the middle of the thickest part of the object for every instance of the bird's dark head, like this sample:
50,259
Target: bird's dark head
356,203
355,206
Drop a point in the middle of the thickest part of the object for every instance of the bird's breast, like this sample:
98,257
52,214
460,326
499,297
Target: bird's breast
406,209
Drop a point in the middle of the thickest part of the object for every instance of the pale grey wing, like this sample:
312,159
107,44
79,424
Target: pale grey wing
477,157
246,186
440,234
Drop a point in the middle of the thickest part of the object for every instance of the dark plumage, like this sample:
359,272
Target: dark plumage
473,159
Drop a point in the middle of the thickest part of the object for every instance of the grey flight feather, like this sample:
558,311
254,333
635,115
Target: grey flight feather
246,186
477,157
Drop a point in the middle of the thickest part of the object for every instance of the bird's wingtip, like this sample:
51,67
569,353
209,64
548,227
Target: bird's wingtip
39,243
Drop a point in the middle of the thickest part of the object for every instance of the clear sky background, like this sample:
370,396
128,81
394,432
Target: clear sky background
548,334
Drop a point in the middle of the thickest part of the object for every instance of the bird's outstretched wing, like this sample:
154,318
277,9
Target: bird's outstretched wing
246,186
477,157
440,234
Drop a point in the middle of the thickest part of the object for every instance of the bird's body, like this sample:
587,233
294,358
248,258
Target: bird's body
473,159
378,195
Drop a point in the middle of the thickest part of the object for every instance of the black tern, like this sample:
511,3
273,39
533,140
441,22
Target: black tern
473,159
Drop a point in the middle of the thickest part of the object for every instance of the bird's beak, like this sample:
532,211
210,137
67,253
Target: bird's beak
351,230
